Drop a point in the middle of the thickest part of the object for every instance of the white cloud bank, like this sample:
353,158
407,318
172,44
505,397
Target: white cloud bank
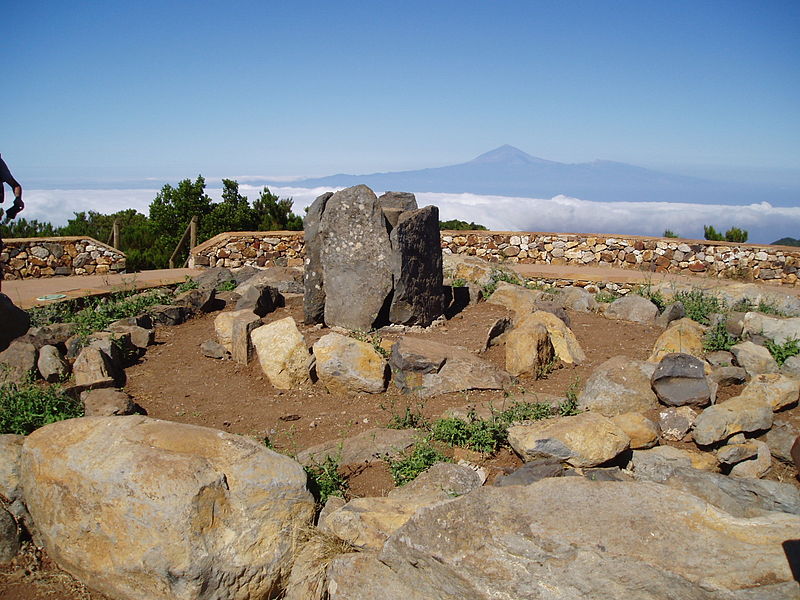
764,222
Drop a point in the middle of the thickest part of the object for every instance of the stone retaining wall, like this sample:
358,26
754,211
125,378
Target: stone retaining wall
26,258
772,264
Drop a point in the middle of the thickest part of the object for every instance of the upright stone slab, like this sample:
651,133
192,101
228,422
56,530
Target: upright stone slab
313,284
417,268
356,258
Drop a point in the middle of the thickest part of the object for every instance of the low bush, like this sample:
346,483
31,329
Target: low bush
784,351
699,306
719,338
324,480
655,296
496,277
481,435
26,407
423,456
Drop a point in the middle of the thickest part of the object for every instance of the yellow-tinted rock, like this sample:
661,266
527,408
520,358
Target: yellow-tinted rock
683,335
642,431
282,353
345,365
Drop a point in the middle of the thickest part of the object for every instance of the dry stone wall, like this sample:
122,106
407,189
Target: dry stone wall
27,258
771,264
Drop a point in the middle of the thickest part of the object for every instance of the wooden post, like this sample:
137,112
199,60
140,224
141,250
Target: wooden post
192,233
115,234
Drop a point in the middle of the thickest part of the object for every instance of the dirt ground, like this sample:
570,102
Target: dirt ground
174,381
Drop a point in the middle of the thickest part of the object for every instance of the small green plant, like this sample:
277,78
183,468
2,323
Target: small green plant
655,296
719,338
27,406
700,306
324,479
189,284
569,406
423,456
373,338
495,278
410,419
743,305
481,435
524,411
227,286
458,283
543,370
605,296
770,308
784,351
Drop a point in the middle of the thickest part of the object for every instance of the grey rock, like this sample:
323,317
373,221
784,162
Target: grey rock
313,279
213,349
10,450
553,308
736,453
778,329
499,327
262,299
531,472
441,481
780,439
672,312
287,280
401,200
241,342
140,337
679,379
9,536
675,422
51,365
242,274
16,321
210,279
720,358
356,259
754,359
523,546
168,314
18,362
117,347
367,447
791,367
417,268
754,467
739,414
575,298
361,576
632,308
144,321
93,369
56,334
107,403
200,299
619,385
457,299
728,375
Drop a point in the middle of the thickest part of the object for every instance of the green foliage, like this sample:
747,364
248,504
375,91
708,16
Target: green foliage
373,338
743,305
188,284
324,480
718,338
734,234
712,234
496,277
569,406
769,308
699,305
668,233
26,407
410,419
786,241
22,228
524,411
274,214
481,435
458,283
227,286
782,352
423,456
457,225
656,297
605,296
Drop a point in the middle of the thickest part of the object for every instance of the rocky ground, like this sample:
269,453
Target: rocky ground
176,381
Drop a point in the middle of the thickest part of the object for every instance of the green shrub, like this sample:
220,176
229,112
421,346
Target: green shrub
668,233
770,308
655,296
742,305
189,284
481,435
458,283
227,286
410,419
718,338
423,456
569,406
373,338
496,277
26,407
699,305
782,352
324,480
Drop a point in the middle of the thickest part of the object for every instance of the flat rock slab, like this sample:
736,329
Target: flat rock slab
739,414
369,446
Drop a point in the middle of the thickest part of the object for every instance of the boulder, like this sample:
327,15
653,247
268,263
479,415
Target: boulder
777,390
472,268
528,349
223,325
52,367
672,312
287,280
736,453
345,365
780,439
403,201
313,280
200,299
361,576
632,308
516,298
356,257
140,337
282,353
241,338
576,298
777,329
430,368
791,367
9,536
210,279
656,458
684,336
10,452
619,385
93,369
55,334
107,402
584,440
753,467
565,344
754,359
740,413
569,537
675,422
168,314
141,508
117,347
719,358
18,362
679,379
642,432
728,375
369,446
261,299
416,268
16,321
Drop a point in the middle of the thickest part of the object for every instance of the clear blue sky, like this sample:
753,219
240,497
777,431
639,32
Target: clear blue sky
170,89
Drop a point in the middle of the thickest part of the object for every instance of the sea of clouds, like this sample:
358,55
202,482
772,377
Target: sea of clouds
764,222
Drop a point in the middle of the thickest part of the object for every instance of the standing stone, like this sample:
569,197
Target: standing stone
565,344
313,282
417,268
684,336
528,349
399,200
223,325
51,365
15,321
241,342
356,258
282,353
679,379
93,369
345,365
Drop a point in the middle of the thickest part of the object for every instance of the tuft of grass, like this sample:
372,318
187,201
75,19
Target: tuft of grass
29,406
770,308
189,284
700,306
423,456
324,479
784,351
410,419
718,338
227,286
481,435
569,406
605,296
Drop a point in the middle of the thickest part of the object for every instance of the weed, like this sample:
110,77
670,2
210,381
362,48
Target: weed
770,308
423,456
410,419
477,434
718,338
569,407
543,370
227,286
605,296
324,479
743,305
458,283
700,306
189,284
373,338
655,296
782,352
495,278
28,406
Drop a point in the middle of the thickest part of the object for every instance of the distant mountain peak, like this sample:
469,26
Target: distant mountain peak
508,155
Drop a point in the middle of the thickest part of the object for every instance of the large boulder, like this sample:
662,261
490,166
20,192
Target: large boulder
568,537
16,321
618,386
684,336
140,508
780,439
94,369
313,280
679,379
516,298
565,344
777,329
739,414
777,390
528,349
632,308
223,325
416,268
345,365
584,440
754,359
577,298
356,259
429,368
10,452
754,467
282,352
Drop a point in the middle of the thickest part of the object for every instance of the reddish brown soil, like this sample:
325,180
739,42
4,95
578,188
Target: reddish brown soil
174,381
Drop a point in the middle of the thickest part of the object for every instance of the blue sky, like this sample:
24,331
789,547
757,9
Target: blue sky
123,90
